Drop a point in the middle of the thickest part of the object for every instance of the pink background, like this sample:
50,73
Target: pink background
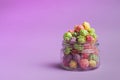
31,35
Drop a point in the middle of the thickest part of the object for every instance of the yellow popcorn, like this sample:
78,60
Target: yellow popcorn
73,64
92,63
86,26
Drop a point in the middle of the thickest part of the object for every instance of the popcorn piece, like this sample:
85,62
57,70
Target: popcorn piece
85,55
84,63
92,30
92,63
86,26
89,39
78,47
93,57
76,57
73,64
78,28
83,32
73,40
67,50
67,36
81,39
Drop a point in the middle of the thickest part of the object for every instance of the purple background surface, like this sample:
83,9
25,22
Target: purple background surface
31,36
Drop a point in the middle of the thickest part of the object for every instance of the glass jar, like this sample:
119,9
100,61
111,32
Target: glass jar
76,56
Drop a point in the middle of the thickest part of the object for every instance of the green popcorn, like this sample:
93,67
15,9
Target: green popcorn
80,36
67,50
92,30
93,34
74,34
81,39
83,32
78,47
67,36
93,57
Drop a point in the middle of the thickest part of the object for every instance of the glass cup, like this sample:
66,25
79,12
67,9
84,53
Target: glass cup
82,57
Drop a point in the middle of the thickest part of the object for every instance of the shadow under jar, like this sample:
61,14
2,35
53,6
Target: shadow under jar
81,57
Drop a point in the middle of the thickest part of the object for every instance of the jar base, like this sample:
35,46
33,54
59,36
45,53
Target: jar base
78,69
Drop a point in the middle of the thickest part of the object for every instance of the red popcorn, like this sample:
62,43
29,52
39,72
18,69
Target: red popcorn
89,38
85,55
78,28
84,63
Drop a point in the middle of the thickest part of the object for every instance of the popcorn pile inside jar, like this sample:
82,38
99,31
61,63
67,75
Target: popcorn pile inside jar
80,48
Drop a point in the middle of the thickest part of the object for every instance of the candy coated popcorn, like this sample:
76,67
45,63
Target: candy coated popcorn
78,47
81,39
78,28
73,64
75,34
92,63
86,26
67,50
93,35
84,63
77,57
89,38
67,58
67,36
73,40
83,32
85,55
92,30
93,57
